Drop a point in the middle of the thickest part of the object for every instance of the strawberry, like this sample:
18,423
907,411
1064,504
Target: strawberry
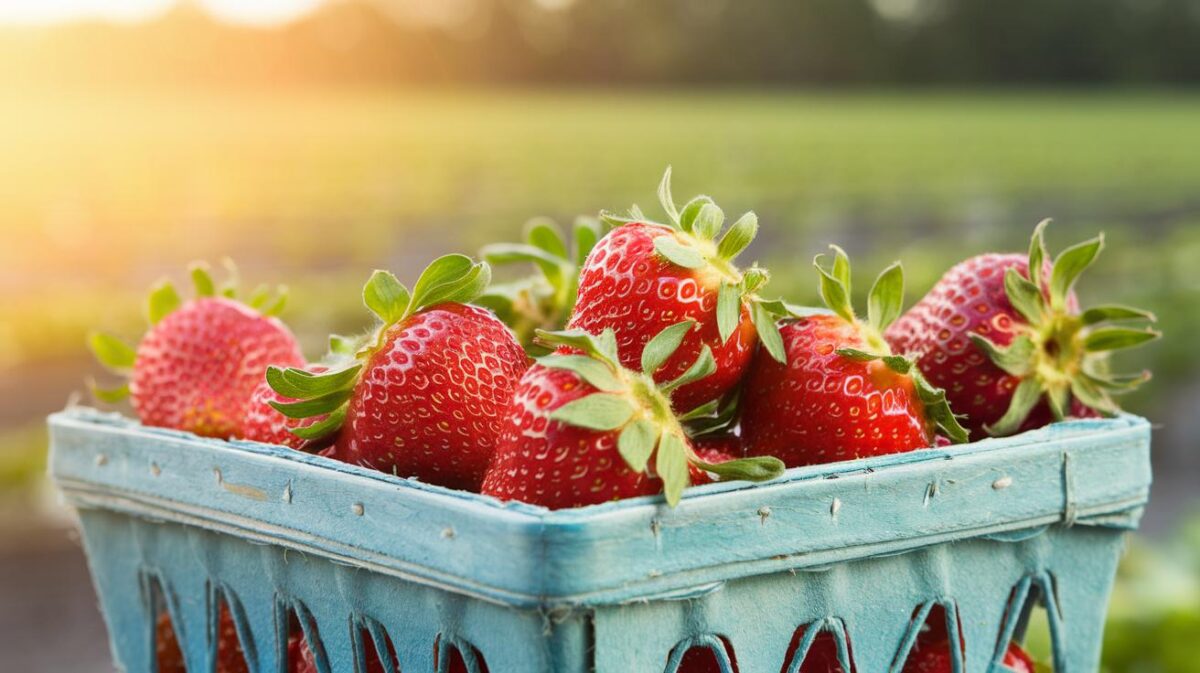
643,277
936,657
1013,351
230,658
543,300
842,394
425,394
582,428
196,367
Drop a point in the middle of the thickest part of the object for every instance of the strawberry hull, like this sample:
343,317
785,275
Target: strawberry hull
864,551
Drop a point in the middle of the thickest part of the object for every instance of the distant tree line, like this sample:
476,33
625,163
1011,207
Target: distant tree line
618,42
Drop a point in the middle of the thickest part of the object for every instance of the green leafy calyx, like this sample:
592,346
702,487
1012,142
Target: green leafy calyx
451,278
1060,354
639,410
884,304
545,299
695,241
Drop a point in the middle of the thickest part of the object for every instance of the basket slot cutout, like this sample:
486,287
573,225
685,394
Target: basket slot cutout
229,641
373,648
1032,617
168,655
820,647
305,652
702,654
934,635
453,655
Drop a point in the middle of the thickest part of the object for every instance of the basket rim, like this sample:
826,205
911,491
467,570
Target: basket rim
632,549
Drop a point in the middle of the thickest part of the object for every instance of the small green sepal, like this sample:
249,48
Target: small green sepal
109,395
113,353
163,300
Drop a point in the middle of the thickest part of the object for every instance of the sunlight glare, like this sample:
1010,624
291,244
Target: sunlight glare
41,12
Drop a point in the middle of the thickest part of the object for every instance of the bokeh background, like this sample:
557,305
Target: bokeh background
316,140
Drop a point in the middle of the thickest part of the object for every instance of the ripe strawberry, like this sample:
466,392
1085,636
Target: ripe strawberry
425,396
842,394
581,429
936,657
1015,352
230,658
643,277
545,299
198,365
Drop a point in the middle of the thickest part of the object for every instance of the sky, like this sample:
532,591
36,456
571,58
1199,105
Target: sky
253,12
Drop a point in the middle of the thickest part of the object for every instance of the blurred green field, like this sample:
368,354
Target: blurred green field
102,193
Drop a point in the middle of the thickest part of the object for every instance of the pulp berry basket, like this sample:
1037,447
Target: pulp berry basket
861,552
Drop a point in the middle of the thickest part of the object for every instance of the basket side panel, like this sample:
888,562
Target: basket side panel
265,584
879,603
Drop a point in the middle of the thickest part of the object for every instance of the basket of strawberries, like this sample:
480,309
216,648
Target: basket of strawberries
630,461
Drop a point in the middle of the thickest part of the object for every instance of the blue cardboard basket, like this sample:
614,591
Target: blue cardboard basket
864,551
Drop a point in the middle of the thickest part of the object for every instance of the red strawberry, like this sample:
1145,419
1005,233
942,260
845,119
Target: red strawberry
581,429
643,277
198,365
842,394
936,657
426,394
230,658
264,423
1014,353
545,299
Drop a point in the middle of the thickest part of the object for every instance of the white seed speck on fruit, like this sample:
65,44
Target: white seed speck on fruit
1002,483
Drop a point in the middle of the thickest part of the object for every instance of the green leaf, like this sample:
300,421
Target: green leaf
543,233
707,409
343,345
709,221
258,298
450,278
898,363
1116,338
856,354
1016,358
109,395
687,215
603,347
162,302
739,236
386,297
704,366
758,468
677,253
312,385
313,407
1024,296
1118,384
1115,313
660,348
1093,397
834,290
202,280
1067,267
671,464
232,278
886,297
729,309
511,253
615,219
841,267
937,409
595,372
1026,395
664,197
324,428
116,355
280,302
588,231
1059,399
636,444
598,411
768,332
1037,254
